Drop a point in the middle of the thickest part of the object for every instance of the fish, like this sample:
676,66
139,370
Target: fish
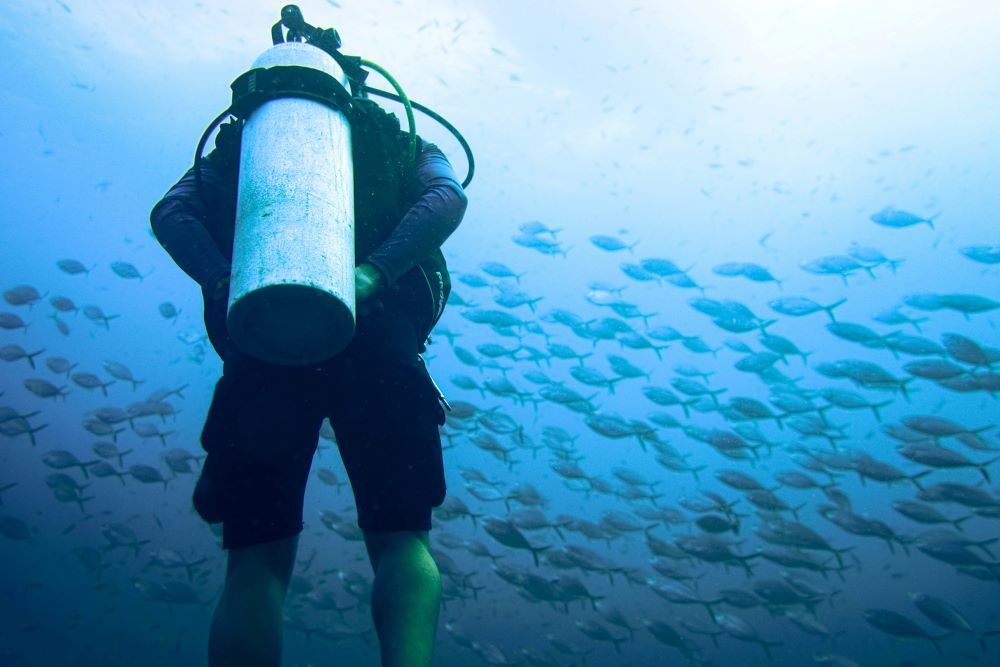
873,257
91,381
967,304
611,243
13,352
661,267
914,345
897,625
839,265
499,270
543,246
537,227
597,632
738,628
120,371
12,322
938,427
892,217
473,280
63,304
61,459
749,270
497,318
984,254
168,311
147,474
513,298
73,267
956,492
801,306
638,272
968,351
96,314
667,635
926,514
943,614
782,532
610,426
127,271
939,457
22,295
894,316
45,389
14,529
508,535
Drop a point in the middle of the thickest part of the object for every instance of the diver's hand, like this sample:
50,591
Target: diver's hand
367,281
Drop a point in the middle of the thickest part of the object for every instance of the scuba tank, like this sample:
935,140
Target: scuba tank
291,294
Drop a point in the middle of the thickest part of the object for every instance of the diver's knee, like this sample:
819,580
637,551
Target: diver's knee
263,563
409,545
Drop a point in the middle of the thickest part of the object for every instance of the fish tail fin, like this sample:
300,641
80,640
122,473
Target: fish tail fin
33,431
903,388
31,357
958,522
829,309
837,554
875,408
81,500
916,478
768,646
535,551
984,471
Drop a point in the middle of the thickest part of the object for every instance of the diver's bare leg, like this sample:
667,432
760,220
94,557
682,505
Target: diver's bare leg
246,627
406,596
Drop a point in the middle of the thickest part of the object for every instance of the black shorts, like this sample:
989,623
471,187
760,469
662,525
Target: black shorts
263,426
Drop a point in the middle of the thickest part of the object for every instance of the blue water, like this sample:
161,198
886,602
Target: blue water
706,134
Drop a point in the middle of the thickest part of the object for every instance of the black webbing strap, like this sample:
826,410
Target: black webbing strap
260,85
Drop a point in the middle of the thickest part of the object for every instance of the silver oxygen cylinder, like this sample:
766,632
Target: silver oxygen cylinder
291,294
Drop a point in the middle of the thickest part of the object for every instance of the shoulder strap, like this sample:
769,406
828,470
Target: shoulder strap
227,146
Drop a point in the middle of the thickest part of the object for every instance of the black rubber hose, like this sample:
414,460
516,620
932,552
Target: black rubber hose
451,128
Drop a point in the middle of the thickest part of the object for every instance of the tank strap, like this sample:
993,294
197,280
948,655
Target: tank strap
259,85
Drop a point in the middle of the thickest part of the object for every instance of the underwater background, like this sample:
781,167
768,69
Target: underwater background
722,346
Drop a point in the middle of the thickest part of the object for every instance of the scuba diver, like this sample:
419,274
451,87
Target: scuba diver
262,427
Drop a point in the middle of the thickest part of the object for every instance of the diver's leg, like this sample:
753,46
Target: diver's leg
246,627
406,596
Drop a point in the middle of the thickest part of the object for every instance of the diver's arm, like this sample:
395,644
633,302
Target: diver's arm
440,205
179,223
